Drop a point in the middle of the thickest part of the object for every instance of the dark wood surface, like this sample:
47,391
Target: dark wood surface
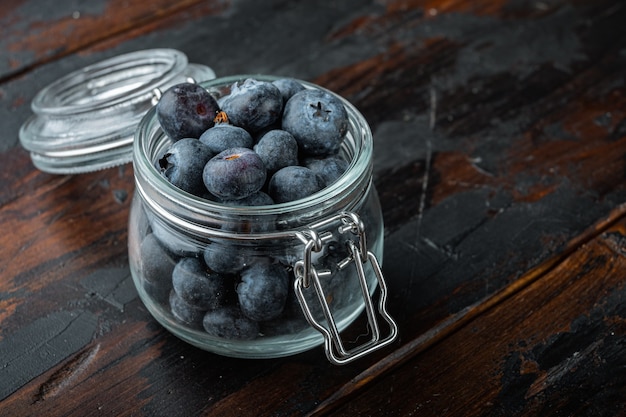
500,160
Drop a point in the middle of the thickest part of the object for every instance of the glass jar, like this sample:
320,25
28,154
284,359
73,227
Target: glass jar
87,119
327,246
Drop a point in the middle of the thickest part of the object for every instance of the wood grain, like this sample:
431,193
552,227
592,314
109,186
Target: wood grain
36,33
554,347
499,160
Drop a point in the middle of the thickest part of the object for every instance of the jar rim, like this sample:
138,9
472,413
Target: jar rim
356,178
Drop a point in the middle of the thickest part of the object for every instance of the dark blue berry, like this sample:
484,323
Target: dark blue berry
183,163
184,312
278,149
186,110
263,290
293,183
198,286
253,104
157,263
250,224
234,173
288,87
257,199
172,240
317,119
329,169
230,323
225,258
224,136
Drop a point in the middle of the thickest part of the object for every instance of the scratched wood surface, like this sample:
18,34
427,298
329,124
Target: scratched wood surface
532,355
500,144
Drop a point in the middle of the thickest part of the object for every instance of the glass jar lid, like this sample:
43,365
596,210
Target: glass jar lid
86,120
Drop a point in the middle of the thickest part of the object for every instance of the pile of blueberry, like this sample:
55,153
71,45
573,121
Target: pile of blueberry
261,144
264,143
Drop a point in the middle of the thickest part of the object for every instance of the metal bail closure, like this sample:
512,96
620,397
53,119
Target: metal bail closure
314,239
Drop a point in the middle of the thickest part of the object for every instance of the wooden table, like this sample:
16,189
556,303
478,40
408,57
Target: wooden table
500,160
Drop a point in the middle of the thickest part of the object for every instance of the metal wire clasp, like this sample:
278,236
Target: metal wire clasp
314,238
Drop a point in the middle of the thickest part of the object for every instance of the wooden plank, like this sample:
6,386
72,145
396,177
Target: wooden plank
554,348
486,170
34,33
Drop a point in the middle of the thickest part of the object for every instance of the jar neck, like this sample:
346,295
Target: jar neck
205,218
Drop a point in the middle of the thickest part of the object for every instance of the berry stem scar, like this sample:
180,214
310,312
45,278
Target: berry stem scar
319,111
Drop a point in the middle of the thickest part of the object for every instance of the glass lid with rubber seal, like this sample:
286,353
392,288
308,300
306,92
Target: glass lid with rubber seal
86,120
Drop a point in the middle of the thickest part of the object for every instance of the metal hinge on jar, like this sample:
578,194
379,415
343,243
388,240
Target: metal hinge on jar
314,238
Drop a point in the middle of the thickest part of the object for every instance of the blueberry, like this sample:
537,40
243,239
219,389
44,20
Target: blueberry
172,240
183,163
224,136
278,149
198,286
253,104
186,110
257,199
317,119
225,258
263,290
288,87
329,169
293,183
184,312
250,224
234,173
230,323
157,263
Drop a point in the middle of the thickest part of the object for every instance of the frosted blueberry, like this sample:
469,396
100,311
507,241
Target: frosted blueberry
293,183
157,263
171,239
317,119
230,323
252,105
328,169
198,286
234,173
257,199
183,164
288,87
185,111
224,136
263,290
184,312
278,149
225,258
